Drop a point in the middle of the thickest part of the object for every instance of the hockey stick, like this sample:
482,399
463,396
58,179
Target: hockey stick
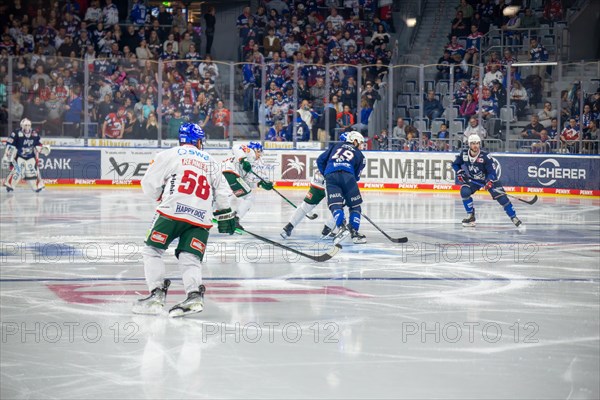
312,216
531,201
395,240
320,258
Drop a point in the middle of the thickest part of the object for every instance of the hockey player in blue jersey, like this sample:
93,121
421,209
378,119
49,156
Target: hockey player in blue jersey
341,165
23,148
475,170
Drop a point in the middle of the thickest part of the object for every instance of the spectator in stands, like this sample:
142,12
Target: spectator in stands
371,95
473,47
382,140
466,9
461,69
537,53
303,131
546,115
443,66
553,11
519,97
345,119
544,145
443,132
534,129
336,20
487,105
569,137
114,125
110,14
277,132
499,93
474,129
380,36
460,27
468,108
174,124
151,127
399,133
432,107
318,94
271,44
220,119
590,145
493,75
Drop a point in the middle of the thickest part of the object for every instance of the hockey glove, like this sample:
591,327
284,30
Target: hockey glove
266,185
462,177
225,220
488,185
246,166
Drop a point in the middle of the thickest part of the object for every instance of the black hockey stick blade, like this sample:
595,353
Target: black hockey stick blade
527,201
313,216
394,240
320,258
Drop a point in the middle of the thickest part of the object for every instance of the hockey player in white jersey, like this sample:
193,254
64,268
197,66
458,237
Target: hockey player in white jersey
238,171
23,149
186,181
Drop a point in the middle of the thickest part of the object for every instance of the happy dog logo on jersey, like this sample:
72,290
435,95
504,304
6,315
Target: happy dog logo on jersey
194,212
550,171
293,167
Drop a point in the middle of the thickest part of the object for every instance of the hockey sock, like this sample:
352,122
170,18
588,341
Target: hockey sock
191,271
339,217
300,212
508,207
355,219
154,267
244,204
468,203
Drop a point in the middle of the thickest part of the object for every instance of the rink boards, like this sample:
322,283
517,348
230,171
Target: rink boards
430,171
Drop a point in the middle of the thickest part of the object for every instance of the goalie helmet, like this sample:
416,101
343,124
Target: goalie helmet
354,135
190,133
26,126
474,139
256,146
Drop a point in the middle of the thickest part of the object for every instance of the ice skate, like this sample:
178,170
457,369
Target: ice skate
341,234
469,221
518,223
154,303
287,231
357,237
327,233
8,189
193,304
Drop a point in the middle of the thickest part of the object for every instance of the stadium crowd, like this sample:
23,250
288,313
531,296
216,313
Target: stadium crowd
53,44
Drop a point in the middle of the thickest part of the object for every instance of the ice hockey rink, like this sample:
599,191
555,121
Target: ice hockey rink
490,312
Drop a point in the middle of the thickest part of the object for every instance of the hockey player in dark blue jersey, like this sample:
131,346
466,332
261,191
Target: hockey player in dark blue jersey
475,170
341,165
23,148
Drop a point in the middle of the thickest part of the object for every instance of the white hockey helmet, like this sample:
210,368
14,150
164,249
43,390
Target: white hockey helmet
474,139
26,125
355,135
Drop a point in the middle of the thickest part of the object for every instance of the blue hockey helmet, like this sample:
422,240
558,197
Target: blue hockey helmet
190,133
343,136
256,146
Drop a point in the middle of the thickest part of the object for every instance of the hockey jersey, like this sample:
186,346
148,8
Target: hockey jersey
26,146
186,180
480,168
342,157
233,164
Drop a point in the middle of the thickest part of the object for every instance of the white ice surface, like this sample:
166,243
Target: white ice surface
489,312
